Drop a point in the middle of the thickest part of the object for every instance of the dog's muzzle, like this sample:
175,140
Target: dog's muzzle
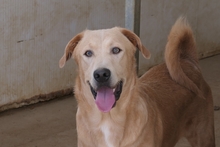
105,96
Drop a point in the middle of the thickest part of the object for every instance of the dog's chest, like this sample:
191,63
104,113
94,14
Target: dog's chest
105,128
110,135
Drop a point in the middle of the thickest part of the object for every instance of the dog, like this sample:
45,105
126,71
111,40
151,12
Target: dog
116,108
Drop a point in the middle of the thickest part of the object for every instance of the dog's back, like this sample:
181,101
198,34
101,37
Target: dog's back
179,91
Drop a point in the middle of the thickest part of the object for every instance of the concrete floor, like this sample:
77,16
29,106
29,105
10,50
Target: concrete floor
52,124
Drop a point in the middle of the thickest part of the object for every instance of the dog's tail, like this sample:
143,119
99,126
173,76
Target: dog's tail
181,46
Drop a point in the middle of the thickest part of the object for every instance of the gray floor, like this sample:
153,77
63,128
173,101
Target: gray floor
52,124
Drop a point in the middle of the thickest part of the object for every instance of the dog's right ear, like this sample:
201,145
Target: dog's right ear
70,48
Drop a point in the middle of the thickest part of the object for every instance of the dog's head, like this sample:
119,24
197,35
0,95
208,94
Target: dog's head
105,59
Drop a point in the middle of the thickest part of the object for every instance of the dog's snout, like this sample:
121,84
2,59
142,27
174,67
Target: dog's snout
102,75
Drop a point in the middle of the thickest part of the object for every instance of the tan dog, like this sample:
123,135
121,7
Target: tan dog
118,109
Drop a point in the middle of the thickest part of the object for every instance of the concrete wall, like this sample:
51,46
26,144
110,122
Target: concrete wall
35,32
158,16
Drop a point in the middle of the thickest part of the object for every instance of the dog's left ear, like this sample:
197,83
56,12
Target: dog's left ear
70,48
135,40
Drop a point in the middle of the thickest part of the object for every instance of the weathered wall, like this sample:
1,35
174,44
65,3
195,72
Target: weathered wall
35,32
158,16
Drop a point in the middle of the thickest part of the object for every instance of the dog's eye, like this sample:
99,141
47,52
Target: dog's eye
88,53
116,50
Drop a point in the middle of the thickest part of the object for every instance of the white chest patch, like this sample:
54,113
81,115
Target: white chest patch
105,128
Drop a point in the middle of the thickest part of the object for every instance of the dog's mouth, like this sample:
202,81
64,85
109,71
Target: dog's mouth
106,97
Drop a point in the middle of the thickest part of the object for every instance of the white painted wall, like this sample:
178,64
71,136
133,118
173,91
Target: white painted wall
35,32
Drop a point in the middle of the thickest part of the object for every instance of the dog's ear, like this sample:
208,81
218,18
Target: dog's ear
135,40
70,48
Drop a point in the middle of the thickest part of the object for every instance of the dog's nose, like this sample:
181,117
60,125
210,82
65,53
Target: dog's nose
102,75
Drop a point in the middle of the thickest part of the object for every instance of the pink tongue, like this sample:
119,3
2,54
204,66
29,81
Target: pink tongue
105,99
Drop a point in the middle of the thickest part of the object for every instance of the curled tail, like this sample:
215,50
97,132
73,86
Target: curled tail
181,46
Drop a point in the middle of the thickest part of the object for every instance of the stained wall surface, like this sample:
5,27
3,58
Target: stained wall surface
158,16
34,34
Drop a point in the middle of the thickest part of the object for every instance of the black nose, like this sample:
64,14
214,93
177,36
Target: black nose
102,75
